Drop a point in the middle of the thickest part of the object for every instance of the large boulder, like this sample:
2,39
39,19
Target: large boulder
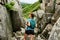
49,6
40,13
5,24
57,12
3,2
46,18
42,6
16,16
57,1
47,30
55,33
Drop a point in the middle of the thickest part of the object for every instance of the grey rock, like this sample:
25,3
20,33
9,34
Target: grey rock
40,13
42,6
16,15
46,31
49,7
55,33
5,24
57,12
35,13
57,1
3,1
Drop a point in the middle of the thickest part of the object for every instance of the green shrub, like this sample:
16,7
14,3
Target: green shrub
10,5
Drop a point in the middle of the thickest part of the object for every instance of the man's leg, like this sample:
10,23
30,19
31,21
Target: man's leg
25,35
31,37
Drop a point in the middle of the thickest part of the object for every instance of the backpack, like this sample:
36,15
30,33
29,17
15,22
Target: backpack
32,24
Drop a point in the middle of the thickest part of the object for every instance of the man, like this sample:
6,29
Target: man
30,27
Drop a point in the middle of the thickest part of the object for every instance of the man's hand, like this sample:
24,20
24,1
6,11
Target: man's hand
28,23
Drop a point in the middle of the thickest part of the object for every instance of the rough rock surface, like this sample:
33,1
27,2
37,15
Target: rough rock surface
55,33
16,15
5,24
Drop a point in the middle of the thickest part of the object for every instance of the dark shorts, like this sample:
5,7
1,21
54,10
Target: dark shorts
29,32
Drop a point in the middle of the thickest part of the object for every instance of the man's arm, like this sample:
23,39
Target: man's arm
28,23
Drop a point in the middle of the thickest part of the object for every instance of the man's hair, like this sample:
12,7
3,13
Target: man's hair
32,15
